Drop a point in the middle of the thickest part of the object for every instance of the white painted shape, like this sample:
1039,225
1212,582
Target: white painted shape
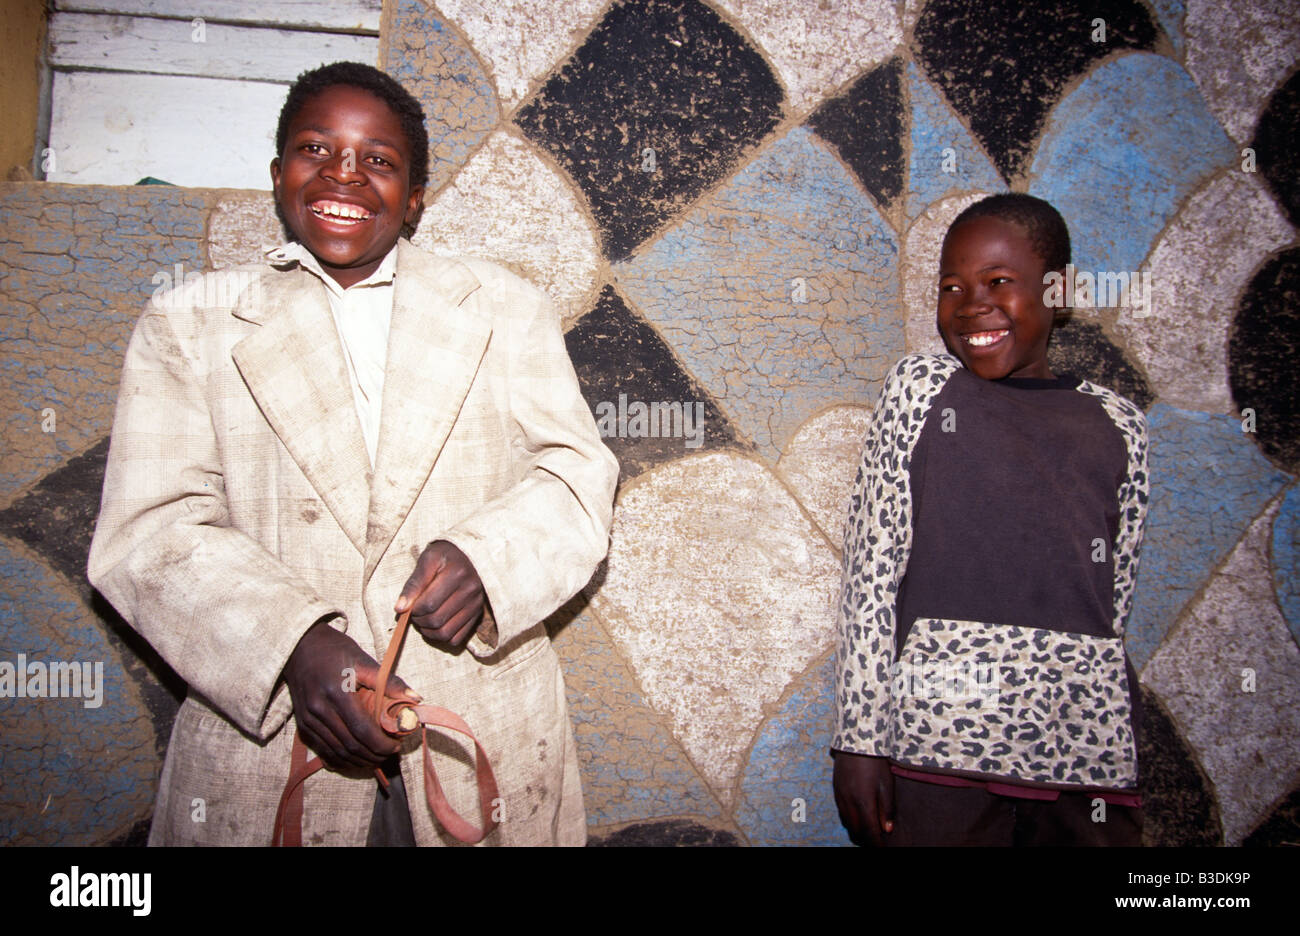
920,272
508,206
113,129
242,226
1199,268
336,14
521,41
163,46
1245,741
1238,54
719,592
819,45
821,463
911,13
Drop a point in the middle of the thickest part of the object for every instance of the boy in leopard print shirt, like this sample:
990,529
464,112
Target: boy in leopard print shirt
989,558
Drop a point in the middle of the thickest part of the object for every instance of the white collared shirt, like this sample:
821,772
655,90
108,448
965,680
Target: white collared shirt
362,315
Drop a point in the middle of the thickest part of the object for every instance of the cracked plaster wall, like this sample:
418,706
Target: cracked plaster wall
738,204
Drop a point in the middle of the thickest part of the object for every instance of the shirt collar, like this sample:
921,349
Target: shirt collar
293,250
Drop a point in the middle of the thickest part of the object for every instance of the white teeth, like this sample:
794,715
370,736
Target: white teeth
340,211
984,339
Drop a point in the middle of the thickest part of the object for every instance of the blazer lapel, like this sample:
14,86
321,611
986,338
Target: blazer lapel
435,346
293,365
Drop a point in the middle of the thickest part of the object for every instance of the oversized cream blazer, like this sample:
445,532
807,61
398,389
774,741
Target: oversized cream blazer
240,507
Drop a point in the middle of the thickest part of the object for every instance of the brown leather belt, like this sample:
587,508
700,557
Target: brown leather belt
398,717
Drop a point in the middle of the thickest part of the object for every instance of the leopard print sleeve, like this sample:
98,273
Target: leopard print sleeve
1133,493
877,542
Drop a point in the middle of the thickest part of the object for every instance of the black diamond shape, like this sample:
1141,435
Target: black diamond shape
1281,827
56,519
663,75
615,352
1083,350
1178,808
667,833
866,125
1277,146
1264,357
1003,64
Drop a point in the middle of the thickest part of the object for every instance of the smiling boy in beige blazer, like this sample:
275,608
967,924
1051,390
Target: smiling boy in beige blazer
352,429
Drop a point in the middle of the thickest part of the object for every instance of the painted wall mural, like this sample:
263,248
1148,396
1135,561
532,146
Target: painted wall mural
737,205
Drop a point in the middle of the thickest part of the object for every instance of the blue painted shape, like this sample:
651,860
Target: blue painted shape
1286,559
72,775
1208,483
1121,153
1171,14
779,292
80,264
936,128
790,765
632,768
430,60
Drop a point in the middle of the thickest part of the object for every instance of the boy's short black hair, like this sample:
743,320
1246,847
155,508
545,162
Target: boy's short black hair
1046,228
368,78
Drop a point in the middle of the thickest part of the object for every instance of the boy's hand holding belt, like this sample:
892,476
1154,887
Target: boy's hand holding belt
362,728
332,718
447,604
445,596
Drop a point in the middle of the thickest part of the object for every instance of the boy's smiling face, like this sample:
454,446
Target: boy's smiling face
991,310
343,182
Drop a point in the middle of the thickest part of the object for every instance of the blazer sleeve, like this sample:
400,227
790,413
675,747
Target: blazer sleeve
537,544
221,610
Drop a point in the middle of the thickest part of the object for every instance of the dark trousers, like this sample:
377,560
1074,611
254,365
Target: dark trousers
390,823
930,814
